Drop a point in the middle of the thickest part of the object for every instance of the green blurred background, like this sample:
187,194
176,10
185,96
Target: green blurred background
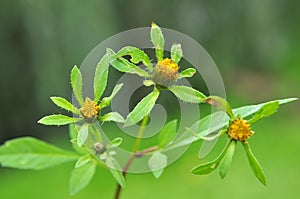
254,43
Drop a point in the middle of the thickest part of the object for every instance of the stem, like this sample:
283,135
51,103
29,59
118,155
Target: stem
135,153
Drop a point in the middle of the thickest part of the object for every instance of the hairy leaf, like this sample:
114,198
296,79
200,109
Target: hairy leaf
65,104
187,94
158,41
58,120
189,72
167,134
100,78
176,53
76,81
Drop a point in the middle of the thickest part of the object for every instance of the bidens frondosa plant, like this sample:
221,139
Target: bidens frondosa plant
91,150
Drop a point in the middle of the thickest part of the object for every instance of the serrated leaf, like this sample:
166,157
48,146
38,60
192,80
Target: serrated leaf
76,81
137,56
221,104
65,104
189,72
115,170
116,142
107,100
187,94
167,134
112,116
142,109
157,162
255,166
81,177
158,41
82,134
265,111
58,120
100,78
227,159
123,65
176,53
83,160
31,153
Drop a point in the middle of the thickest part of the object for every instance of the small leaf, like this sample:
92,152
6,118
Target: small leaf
227,159
73,132
65,104
265,111
176,53
187,94
81,177
107,100
76,81
148,82
256,168
137,56
82,134
142,109
221,104
116,142
189,72
115,170
122,65
83,160
112,116
167,134
58,120
157,162
158,41
31,153
100,78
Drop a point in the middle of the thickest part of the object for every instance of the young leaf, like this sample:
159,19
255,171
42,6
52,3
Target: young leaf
83,160
221,104
58,120
189,72
167,134
31,153
157,162
122,65
158,41
107,100
65,104
176,53
81,177
142,109
256,168
73,132
116,142
82,134
112,116
137,56
76,81
227,159
148,82
187,94
265,111
100,78
115,170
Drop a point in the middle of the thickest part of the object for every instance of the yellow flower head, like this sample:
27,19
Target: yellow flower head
165,72
239,130
90,109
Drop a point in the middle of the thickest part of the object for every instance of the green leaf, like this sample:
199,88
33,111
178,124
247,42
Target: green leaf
256,168
157,162
142,109
115,170
116,142
58,120
76,81
81,177
176,53
189,72
65,104
112,116
227,159
265,111
158,41
107,100
167,134
31,153
187,94
100,78
123,65
137,56
83,160
148,82
73,131
221,104
82,134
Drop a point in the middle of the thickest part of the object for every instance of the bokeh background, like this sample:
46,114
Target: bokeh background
254,43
